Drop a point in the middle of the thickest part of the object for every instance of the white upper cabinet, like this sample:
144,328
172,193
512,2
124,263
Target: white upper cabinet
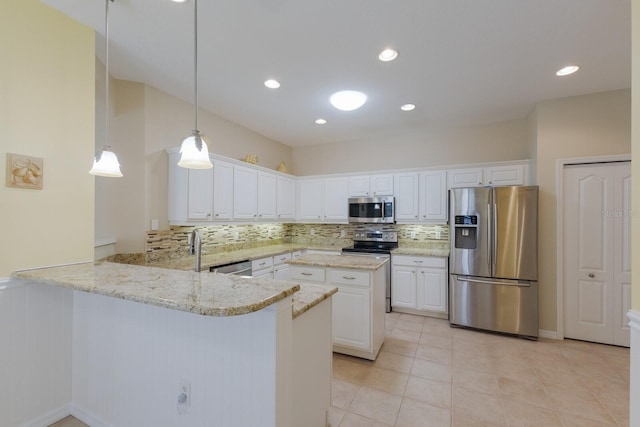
199,194
285,198
323,199
468,177
245,193
222,190
266,196
371,185
407,196
490,176
433,196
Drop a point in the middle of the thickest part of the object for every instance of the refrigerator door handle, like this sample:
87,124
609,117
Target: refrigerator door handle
488,238
505,282
494,237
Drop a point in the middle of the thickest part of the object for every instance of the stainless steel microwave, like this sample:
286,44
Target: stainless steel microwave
372,210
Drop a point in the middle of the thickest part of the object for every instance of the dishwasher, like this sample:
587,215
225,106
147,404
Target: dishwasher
240,268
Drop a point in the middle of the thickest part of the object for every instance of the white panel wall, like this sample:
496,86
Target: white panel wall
35,353
129,359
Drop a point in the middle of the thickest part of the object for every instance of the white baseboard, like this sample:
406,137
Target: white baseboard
87,417
553,335
49,418
634,375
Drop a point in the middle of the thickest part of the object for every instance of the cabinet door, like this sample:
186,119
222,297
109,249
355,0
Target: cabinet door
245,193
199,194
281,272
285,196
505,175
406,196
263,273
222,190
266,196
468,177
433,196
432,289
381,185
336,199
351,320
403,287
310,199
359,186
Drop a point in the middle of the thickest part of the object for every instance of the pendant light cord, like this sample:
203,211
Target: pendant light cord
106,69
195,61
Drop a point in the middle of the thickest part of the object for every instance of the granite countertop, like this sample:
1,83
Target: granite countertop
309,296
437,248
201,293
221,258
340,261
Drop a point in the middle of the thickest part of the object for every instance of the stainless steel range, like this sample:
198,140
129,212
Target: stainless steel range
377,243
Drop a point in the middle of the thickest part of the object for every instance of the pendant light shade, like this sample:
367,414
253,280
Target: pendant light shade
106,162
194,150
195,154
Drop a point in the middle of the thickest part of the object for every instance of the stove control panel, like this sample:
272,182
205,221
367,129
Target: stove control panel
375,236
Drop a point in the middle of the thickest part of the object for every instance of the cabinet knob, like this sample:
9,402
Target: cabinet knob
217,215
305,274
490,182
592,275
208,214
348,277
260,215
479,183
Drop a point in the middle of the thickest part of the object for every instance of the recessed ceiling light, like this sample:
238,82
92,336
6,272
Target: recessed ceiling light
388,55
179,1
567,70
272,84
408,107
321,122
348,100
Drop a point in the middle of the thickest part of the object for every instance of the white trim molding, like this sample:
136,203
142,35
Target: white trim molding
552,335
634,376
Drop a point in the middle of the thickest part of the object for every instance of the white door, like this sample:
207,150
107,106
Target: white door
597,250
432,290
403,287
433,196
406,196
266,196
245,193
200,194
336,205
222,190
351,321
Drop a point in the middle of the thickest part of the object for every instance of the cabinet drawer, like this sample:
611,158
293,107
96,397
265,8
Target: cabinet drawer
259,264
348,277
281,259
307,274
419,261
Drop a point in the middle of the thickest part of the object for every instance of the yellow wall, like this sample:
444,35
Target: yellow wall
581,126
46,110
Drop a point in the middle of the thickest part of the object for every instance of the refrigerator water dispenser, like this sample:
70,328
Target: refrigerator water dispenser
465,232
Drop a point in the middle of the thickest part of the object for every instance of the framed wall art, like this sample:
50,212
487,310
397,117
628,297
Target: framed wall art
24,171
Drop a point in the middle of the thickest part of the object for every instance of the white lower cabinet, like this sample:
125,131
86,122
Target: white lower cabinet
358,307
419,285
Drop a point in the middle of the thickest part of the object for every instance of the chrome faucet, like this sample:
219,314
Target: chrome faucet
195,246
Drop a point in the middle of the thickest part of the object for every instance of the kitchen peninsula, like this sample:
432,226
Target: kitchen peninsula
143,336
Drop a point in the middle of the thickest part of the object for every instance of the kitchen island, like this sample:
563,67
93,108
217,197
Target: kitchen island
359,304
143,336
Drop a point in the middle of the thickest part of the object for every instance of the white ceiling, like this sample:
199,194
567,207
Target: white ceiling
461,61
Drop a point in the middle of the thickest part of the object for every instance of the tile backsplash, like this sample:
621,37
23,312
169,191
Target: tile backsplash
174,242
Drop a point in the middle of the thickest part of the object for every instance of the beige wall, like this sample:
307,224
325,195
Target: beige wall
590,125
416,148
46,110
635,148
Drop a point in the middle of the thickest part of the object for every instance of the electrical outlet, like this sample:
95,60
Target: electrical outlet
154,224
313,231
413,234
236,235
343,233
184,397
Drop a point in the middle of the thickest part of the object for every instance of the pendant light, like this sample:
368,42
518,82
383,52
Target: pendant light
194,151
106,162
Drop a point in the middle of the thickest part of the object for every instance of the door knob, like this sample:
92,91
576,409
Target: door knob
592,275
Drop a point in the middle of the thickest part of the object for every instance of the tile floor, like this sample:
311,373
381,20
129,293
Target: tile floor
429,374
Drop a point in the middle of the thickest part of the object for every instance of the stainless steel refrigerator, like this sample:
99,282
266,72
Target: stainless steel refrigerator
494,259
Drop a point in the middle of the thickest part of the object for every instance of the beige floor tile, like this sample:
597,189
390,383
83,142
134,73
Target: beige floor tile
443,331
402,347
471,347
377,405
349,371
465,419
473,361
571,420
435,354
404,334
435,393
419,414
388,381
477,337
436,341
484,407
476,381
415,326
342,393
355,420
524,415
524,392
572,404
335,416
431,370
394,362
69,422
